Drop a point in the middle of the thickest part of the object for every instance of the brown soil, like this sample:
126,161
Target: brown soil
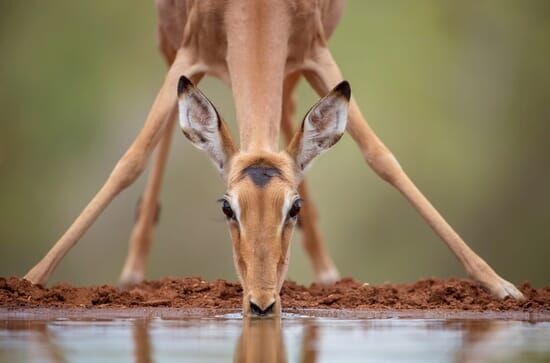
450,294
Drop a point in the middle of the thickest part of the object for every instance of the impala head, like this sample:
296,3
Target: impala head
261,203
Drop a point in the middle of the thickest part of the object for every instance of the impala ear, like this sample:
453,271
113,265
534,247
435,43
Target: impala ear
202,125
322,127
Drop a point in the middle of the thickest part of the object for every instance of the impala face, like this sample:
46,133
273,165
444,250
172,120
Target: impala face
261,206
261,203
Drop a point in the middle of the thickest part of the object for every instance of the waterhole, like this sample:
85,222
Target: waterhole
294,338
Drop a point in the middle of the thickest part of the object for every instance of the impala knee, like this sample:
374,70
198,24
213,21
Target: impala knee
384,163
128,169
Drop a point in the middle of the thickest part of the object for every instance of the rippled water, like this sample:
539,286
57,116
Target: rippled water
293,339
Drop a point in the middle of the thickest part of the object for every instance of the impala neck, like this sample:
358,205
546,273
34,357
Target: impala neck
257,38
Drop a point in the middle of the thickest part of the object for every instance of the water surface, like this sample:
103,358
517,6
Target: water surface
293,339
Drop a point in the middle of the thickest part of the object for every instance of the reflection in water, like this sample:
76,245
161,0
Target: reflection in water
309,343
143,352
39,341
477,335
488,340
293,339
262,341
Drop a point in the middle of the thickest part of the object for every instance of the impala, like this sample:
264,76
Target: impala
261,48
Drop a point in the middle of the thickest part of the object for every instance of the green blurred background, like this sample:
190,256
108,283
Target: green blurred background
459,90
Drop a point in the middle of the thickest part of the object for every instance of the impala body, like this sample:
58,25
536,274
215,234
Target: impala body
261,48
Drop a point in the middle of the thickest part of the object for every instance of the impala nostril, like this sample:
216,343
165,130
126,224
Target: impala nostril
256,310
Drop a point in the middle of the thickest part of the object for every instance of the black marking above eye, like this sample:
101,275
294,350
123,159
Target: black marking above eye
261,175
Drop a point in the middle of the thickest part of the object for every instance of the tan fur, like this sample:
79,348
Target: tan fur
261,238
254,45
324,270
261,341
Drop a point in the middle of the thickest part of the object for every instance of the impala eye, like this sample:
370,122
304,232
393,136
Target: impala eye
295,209
226,209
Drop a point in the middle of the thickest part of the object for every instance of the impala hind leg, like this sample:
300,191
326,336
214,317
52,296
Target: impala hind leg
147,214
324,269
126,171
323,73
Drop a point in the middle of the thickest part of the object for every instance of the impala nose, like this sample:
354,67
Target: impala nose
261,311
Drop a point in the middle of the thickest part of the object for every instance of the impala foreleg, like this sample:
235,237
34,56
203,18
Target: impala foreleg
323,73
126,171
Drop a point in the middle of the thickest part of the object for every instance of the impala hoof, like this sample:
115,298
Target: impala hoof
504,289
130,279
328,276
36,276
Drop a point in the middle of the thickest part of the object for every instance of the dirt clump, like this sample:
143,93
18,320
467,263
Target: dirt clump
194,292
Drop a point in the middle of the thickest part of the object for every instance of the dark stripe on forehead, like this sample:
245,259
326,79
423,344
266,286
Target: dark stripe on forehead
261,175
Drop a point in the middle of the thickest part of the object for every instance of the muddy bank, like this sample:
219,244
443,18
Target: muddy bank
450,294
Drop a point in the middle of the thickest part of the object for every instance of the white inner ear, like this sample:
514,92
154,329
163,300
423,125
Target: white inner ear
323,126
200,124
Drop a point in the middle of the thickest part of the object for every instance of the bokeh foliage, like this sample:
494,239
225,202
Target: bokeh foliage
458,90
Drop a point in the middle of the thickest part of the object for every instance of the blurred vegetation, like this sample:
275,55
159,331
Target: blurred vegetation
458,90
